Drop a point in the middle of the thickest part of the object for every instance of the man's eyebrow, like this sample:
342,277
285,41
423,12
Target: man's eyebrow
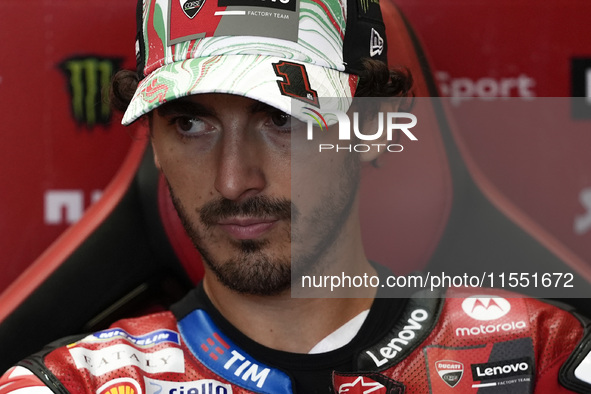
184,107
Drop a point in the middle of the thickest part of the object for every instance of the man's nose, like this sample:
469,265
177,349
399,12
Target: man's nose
240,167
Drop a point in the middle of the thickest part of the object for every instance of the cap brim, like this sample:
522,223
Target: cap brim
252,76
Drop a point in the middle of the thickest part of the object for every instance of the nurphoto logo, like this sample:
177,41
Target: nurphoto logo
387,123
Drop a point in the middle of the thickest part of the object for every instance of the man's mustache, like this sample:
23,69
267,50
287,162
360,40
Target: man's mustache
259,206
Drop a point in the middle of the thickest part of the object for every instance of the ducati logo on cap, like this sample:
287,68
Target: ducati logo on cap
191,7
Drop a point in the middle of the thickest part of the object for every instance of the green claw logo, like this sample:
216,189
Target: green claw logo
88,79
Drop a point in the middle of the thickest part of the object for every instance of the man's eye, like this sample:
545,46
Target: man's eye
280,119
190,127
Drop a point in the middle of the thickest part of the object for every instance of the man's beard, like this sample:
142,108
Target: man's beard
256,271
250,270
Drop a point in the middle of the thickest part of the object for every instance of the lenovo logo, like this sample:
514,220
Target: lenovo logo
401,340
502,369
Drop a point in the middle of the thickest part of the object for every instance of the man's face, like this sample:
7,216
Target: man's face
228,163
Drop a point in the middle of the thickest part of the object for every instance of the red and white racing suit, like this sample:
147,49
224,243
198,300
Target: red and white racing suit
457,343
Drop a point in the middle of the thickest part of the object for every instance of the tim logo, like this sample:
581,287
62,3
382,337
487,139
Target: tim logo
486,308
213,346
88,78
219,354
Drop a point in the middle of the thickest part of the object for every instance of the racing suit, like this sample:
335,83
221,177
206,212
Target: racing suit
459,342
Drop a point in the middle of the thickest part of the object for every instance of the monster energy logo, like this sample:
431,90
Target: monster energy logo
88,80
366,3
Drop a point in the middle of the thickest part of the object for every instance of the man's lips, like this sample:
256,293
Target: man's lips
246,228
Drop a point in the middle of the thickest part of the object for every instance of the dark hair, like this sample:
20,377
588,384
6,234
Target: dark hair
376,80
123,86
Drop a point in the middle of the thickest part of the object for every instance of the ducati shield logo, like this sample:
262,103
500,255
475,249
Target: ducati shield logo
486,308
191,7
450,371
376,43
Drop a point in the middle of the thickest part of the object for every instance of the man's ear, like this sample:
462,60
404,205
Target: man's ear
371,124
156,161
148,123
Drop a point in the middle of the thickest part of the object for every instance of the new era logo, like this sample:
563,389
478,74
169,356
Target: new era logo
376,43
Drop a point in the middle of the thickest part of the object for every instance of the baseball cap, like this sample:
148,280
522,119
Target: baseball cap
285,53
